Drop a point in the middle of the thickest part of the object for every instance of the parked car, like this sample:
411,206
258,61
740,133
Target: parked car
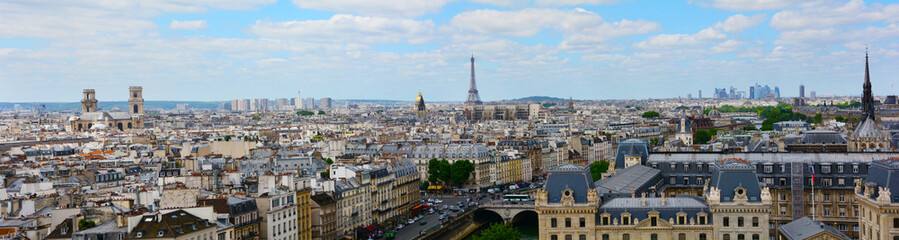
442,217
400,226
423,222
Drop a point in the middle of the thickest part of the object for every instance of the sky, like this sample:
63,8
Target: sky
211,50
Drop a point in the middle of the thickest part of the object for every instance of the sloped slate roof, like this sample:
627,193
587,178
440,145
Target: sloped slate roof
568,176
805,227
730,175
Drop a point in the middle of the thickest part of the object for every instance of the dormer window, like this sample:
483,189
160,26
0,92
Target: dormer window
63,230
161,232
139,234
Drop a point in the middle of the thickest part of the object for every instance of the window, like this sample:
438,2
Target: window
726,237
654,236
741,237
840,168
827,197
769,168
553,223
783,196
568,222
686,180
625,220
854,168
673,167
626,237
827,181
682,236
699,181
739,221
701,219
582,237
726,222
895,222
554,237
783,181
672,180
140,234
769,181
686,167
568,237
825,169
842,212
605,237
584,222
755,237
653,221
755,221
682,220
702,236
841,181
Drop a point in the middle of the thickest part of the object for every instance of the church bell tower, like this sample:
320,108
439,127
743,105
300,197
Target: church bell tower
136,100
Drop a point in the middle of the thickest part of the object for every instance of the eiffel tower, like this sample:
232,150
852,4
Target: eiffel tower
473,97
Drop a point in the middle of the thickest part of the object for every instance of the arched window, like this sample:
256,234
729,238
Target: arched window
129,125
702,236
726,237
755,237
682,236
120,126
739,221
135,108
654,237
726,222
755,221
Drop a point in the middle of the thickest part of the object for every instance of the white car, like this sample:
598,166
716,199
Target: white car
438,201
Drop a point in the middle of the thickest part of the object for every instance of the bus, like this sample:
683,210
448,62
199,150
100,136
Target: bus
516,197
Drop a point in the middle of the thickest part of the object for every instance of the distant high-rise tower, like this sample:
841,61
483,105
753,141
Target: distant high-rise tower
700,94
325,103
298,102
812,93
473,97
802,91
777,92
89,103
136,100
420,110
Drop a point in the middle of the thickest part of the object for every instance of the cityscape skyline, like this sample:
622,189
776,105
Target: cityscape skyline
390,50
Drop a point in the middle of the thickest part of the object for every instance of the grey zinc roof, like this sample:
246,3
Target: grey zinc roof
105,227
822,137
779,157
869,129
730,175
627,179
805,227
885,173
690,205
568,176
631,147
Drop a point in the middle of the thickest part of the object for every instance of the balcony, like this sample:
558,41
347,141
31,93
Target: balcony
251,222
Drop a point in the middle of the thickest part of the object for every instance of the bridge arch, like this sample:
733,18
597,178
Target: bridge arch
487,216
526,219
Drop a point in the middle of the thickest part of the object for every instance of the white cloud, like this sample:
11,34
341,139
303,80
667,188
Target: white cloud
83,18
834,15
738,23
682,40
188,25
573,2
577,26
504,3
822,37
754,5
402,8
347,28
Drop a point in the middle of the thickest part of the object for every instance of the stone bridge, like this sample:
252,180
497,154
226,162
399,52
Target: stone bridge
507,213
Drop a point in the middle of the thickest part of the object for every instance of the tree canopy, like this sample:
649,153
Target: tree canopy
498,231
305,113
703,136
456,173
598,168
651,114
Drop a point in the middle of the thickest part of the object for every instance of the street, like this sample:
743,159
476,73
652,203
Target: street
414,230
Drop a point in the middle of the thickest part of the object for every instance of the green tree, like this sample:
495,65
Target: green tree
329,160
227,138
840,119
433,170
320,112
85,224
703,136
444,171
654,141
256,118
749,128
819,118
305,113
498,231
425,185
598,168
460,172
651,114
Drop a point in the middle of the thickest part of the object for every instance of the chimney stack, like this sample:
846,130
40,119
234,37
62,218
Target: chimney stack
663,198
643,198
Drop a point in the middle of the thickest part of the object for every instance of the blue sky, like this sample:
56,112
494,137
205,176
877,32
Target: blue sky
361,49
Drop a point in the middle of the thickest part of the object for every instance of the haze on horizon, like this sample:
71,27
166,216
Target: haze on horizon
358,49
